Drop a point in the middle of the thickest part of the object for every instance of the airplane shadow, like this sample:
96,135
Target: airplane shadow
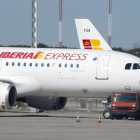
27,114
50,116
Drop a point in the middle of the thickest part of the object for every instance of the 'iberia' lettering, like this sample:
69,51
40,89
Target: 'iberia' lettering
24,55
13,55
1,54
19,55
30,55
6,55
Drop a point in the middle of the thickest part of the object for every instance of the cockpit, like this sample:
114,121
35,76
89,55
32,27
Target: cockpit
133,66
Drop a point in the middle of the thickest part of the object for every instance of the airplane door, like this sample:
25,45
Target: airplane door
102,67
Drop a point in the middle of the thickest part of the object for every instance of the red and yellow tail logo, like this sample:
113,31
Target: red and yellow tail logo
92,44
87,44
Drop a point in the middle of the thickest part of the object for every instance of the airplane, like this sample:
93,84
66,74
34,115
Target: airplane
45,78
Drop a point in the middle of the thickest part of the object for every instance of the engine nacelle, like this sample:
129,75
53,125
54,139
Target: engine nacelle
46,103
8,95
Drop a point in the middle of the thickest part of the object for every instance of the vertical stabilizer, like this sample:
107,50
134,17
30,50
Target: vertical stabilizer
89,37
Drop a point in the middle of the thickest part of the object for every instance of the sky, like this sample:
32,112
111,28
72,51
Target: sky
15,21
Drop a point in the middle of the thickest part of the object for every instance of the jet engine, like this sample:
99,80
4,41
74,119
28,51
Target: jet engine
8,95
45,103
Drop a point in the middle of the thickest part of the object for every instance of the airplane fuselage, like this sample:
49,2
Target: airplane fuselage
68,72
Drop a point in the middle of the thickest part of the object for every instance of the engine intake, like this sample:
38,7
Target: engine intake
8,96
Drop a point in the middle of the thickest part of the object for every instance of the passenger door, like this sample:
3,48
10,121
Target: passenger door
102,67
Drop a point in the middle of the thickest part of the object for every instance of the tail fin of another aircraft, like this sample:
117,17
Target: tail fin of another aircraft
89,37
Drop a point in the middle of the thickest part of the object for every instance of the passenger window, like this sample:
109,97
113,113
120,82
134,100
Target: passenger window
59,65
18,63
71,65
65,65
48,64
7,63
24,64
128,66
30,64
77,66
42,65
136,66
13,63
36,64
53,64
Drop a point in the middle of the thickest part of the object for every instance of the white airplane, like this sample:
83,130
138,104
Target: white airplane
32,75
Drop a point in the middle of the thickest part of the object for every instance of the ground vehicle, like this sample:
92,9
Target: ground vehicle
107,111
125,104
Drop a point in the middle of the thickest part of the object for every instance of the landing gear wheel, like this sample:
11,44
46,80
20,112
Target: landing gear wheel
107,114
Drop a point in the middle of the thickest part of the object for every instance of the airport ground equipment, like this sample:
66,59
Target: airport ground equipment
78,120
99,119
123,104
107,103
107,113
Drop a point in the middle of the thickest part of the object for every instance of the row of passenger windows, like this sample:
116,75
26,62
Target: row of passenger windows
135,66
42,64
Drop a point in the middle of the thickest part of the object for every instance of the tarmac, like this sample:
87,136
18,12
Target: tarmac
62,125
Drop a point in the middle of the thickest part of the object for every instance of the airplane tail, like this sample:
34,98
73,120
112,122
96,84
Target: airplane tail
89,37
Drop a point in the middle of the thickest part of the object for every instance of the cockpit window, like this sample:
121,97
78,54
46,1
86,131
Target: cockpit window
136,66
128,66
